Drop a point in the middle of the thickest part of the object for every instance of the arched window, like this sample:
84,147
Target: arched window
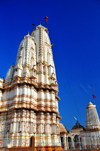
69,139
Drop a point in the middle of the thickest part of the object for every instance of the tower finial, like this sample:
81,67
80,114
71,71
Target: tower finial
33,24
28,33
89,100
32,34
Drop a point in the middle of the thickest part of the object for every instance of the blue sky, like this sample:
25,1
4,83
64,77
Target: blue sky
74,28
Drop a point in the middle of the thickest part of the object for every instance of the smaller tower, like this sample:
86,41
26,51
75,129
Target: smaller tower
92,118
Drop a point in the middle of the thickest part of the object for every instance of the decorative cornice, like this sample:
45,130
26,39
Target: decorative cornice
30,81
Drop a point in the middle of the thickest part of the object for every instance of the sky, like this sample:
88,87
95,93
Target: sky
74,28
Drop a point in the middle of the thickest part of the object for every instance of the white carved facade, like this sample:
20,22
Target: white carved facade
29,94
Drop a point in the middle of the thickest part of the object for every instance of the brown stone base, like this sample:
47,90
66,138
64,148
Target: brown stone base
4,149
48,149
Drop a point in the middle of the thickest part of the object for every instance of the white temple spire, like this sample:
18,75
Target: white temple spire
30,93
92,118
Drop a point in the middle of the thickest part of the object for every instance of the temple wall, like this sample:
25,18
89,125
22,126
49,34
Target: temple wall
26,96
25,117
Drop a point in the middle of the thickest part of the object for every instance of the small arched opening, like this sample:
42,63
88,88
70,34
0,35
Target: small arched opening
69,142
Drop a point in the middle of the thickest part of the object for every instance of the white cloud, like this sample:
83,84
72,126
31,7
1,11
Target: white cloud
89,86
84,88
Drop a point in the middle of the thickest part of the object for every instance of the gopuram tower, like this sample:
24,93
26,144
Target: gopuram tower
29,95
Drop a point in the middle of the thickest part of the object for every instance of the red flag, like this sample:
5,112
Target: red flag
94,96
46,19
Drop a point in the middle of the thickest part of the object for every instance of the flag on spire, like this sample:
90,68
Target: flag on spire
94,96
46,20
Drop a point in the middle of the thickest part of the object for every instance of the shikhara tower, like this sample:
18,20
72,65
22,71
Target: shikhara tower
28,96
92,118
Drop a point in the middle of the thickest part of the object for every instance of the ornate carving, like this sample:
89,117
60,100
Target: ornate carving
34,128
47,129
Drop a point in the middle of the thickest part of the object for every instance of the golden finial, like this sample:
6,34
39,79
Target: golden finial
28,32
89,100
32,33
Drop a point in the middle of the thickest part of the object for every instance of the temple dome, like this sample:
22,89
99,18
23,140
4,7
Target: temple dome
78,126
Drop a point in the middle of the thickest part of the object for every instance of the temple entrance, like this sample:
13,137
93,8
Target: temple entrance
76,138
77,141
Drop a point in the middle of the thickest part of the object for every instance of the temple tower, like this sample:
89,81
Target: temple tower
29,94
92,118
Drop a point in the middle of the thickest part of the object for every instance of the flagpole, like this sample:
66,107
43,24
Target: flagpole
93,94
45,23
46,20
33,26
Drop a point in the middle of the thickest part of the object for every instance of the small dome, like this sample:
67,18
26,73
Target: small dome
63,129
78,126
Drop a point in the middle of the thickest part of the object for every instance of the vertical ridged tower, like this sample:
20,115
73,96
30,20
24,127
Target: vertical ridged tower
29,94
92,118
